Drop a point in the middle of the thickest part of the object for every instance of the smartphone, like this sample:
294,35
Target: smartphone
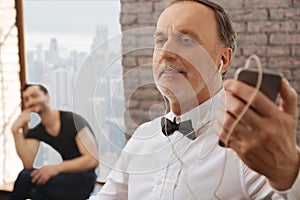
270,85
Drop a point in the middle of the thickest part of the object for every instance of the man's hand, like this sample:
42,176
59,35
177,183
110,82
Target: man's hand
265,137
42,175
22,122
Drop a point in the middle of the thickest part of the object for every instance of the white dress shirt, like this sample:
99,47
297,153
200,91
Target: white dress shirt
153,166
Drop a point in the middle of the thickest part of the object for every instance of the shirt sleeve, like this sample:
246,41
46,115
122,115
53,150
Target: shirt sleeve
116,185
294,193
80,122
35,133
256,186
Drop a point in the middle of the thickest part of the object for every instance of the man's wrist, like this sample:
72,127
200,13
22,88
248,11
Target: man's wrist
286,179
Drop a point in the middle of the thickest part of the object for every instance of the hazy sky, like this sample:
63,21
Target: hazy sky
72,22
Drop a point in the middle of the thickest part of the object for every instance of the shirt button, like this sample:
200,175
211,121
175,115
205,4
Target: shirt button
159,182
178,120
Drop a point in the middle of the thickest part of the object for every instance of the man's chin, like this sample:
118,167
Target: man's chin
36,110
174,95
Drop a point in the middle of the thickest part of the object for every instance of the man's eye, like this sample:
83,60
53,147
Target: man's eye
185,40
160,41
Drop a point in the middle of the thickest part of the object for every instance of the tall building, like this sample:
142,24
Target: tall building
53,53
100,37
62,79
40,54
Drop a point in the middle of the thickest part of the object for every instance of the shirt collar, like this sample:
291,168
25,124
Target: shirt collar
202,114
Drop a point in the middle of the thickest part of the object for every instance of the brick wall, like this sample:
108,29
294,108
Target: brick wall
9,91
269,28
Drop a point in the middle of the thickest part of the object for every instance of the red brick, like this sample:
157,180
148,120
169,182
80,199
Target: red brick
145,73
146,41
137,7
240,27
139,116
296,74
129,61
278,51
296,61
151,103
296,3
263,60
146,94
271,26
298,27
238,51
231,4
128,18
295,50
131,84
160,6
132,104
129,71
268,3
230,73
130,123
279,14
296,85
285,39
281,63
252,39
249,15
238,62
128,42
145,60
286,73
147,18
254,49
143,52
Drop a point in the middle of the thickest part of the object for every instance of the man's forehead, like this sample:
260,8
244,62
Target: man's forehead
188,15
185,10
31,89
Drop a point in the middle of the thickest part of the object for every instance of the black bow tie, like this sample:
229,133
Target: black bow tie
184,127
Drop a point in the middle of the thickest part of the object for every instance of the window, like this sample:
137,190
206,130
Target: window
71,49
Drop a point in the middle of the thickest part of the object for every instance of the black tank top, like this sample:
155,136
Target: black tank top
64,143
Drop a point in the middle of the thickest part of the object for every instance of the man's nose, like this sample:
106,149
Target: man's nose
28,102
169,51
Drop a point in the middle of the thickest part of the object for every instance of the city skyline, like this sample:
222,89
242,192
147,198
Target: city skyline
71,22
94,93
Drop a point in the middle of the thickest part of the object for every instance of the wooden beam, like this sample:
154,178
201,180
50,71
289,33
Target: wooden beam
21,42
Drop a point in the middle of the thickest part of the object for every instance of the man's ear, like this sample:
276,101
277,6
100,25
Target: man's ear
226,58
48,98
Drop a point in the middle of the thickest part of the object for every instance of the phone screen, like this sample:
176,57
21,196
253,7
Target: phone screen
270,85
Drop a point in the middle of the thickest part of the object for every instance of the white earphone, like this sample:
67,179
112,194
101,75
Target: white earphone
221,66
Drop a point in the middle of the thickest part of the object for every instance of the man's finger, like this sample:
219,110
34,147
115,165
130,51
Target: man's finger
288,99
260,103
236,106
